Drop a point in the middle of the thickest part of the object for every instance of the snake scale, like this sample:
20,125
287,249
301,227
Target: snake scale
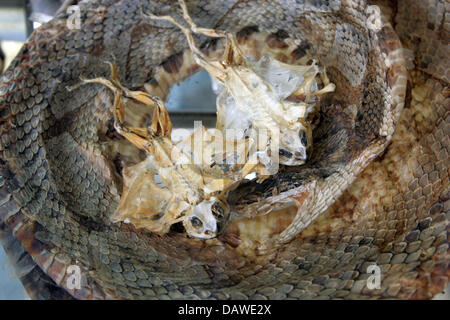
368,195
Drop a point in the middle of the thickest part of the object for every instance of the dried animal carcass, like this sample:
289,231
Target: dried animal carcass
185,182
255,96
167,187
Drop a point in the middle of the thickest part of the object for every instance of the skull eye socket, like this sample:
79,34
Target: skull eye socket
285,153
303,138
196,222
217,211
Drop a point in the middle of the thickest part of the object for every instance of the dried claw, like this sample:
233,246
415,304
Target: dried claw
161,124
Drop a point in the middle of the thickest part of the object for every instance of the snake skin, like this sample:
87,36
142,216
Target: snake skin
367,196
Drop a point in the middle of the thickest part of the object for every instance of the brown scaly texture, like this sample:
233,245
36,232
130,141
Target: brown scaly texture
366,197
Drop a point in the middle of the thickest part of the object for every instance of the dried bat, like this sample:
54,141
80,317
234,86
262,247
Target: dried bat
252,97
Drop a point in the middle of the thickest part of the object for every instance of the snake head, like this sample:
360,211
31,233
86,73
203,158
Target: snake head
208,219
294,145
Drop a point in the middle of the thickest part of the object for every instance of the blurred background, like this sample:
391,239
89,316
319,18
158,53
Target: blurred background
188,101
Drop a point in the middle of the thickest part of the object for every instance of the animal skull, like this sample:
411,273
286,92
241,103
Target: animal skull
295,144
208,219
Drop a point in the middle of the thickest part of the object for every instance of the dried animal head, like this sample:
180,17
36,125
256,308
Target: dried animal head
295,145
208,219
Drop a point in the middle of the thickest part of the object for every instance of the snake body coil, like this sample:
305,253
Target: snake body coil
368,195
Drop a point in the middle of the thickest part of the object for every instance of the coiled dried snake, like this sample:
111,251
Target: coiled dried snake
367,196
